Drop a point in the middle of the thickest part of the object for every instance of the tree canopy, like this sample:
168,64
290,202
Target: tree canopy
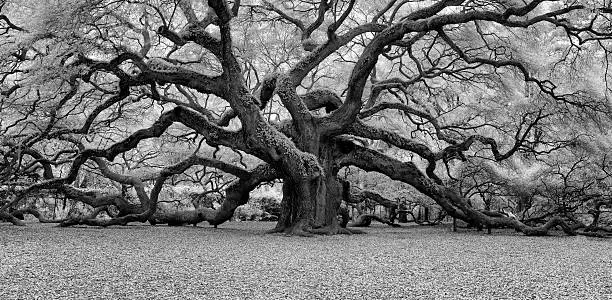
463,102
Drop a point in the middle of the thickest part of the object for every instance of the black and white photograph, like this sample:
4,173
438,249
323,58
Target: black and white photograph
305,149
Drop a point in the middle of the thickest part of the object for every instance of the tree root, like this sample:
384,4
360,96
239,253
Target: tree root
300,228
306,229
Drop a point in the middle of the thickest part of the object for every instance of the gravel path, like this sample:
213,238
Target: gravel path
239,261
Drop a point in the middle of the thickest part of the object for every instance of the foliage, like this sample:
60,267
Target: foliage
477,106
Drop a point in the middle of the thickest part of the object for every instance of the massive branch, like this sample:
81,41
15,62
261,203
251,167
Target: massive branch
455,205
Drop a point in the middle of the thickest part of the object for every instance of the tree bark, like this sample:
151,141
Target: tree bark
314,205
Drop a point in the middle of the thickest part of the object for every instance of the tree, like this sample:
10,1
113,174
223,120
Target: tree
467,77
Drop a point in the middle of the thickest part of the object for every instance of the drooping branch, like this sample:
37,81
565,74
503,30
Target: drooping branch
10,218
147,208
200,161
455,149
520,139
94,199
210,132
148,203
236,194
451,202
359,196
39,158
189,118
10,24
366,219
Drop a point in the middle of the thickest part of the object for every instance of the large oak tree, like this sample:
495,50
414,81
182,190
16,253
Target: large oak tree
471,78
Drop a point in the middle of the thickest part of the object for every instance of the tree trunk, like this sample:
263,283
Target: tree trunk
298,205
313,207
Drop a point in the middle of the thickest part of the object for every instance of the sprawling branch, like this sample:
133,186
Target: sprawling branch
162,71
456,206
10,24
347,113
411,111
236,194
363,130
363,195
210,132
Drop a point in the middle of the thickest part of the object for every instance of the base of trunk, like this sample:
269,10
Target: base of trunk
305,228
299,228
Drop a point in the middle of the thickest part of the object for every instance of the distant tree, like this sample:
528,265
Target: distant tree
303,88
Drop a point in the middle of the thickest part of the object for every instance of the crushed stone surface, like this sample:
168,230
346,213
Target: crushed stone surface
239,260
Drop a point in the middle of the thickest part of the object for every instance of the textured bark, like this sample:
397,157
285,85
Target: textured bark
298,206
324,204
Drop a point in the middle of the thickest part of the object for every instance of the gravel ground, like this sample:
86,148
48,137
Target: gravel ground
238,261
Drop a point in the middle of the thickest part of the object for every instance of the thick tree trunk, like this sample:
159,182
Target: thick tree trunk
313,207
328,209
328,206
298,205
